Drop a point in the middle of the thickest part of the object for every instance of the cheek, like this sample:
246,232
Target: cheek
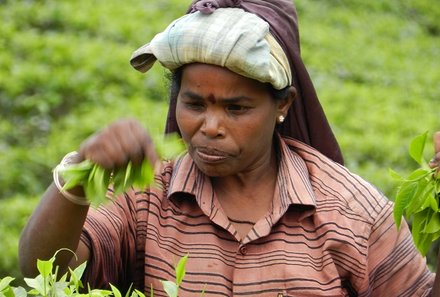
185,123
263,127
256,136
264,132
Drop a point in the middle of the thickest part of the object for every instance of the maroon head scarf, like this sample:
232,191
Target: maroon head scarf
305,120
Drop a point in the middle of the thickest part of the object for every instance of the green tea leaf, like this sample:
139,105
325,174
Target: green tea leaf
424,243
430,202
9,292
418,200
418,174
58,288
127,176
417,146
146,176
98,293
420,238
45,267
395,175
101,181
4,282
137,293
170,288
169,146
37,284
77,273
402,200
76,174
116,292
180,269
19,292
433,224
127,293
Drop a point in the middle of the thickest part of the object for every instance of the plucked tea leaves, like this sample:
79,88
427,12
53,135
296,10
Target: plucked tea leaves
96,180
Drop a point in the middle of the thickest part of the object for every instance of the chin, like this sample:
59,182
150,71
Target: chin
214,171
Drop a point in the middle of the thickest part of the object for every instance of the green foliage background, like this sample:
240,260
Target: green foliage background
64,73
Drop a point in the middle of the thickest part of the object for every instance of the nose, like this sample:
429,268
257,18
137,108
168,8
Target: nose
212,126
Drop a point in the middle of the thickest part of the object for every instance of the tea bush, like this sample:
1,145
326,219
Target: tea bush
14,213
376,70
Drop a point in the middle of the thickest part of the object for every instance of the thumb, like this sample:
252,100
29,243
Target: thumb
435,162
436,142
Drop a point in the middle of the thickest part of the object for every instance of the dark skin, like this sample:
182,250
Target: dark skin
435,163
218,124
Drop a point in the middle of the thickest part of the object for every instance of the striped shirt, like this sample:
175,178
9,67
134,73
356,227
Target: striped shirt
328,233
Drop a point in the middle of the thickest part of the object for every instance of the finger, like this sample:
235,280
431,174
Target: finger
437,142
104,148
97,151
111,153
130,141
145,142
150,151
435,162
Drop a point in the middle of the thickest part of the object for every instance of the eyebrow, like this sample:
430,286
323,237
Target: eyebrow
231,100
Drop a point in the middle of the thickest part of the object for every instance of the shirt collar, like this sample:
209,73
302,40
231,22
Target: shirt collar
293,182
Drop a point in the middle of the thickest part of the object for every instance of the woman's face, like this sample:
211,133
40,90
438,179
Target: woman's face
226,120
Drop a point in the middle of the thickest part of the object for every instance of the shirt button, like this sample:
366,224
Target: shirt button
243,250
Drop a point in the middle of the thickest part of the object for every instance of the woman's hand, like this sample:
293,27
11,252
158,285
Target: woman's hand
112,147
435,162
117,144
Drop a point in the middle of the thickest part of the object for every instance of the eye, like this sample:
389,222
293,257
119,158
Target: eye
237,109
194,105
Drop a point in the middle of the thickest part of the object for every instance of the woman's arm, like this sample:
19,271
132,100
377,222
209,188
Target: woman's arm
57,222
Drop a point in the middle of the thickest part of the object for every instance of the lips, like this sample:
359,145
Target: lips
210,155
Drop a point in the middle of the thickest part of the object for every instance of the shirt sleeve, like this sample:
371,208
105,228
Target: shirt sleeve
110,234
395,267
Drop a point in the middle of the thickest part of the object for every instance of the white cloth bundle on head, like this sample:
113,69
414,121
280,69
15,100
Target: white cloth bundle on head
227,37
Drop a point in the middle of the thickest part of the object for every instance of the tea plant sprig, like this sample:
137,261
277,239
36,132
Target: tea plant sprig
96,180
170,287
417,198
48,284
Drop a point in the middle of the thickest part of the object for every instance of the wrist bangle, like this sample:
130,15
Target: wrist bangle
57,181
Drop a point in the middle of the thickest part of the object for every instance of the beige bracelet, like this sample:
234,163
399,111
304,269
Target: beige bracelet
57,180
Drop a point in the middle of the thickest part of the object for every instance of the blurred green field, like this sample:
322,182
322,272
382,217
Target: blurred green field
64,73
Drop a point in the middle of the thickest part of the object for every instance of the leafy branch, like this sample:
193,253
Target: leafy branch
47,283
96,180
417,198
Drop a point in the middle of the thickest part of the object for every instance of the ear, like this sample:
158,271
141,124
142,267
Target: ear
284,104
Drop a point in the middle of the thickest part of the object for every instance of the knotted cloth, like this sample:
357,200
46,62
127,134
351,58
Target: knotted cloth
246,47
208,6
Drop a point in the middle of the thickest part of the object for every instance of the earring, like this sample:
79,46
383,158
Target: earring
281,119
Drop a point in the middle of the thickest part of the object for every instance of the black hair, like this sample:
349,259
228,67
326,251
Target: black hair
175,78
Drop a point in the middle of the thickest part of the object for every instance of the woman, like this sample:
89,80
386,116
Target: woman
260,202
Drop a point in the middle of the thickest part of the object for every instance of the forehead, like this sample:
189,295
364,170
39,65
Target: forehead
205,77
